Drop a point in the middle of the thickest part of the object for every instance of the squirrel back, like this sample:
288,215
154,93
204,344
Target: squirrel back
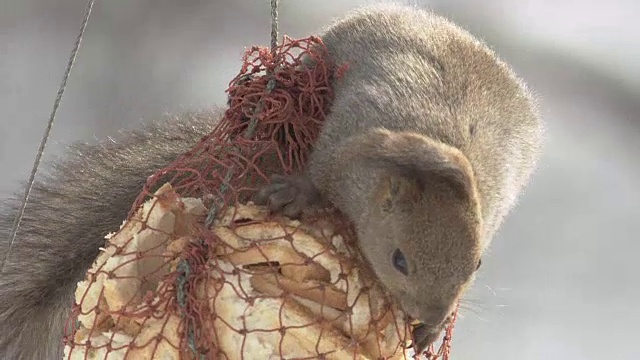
411,70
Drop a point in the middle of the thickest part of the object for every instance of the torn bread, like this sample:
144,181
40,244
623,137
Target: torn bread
268,288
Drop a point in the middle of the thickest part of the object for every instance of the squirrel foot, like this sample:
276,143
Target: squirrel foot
288,195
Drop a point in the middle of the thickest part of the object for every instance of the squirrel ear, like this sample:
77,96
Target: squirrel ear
447,165
418,162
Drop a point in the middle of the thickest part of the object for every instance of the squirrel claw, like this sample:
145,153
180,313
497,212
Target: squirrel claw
288,195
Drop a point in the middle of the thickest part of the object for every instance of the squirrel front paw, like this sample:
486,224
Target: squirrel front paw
288,195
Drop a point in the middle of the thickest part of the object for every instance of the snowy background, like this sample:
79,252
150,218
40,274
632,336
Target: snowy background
560,281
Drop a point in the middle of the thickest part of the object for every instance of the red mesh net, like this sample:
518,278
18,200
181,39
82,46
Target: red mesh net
199,272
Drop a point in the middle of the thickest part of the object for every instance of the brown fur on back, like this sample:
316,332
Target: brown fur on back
412,70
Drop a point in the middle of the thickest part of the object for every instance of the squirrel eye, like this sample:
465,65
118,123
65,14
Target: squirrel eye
399,262
479,263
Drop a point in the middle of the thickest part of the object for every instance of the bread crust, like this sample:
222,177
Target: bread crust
317,303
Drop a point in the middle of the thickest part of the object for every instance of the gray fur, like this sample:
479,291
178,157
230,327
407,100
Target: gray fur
413,70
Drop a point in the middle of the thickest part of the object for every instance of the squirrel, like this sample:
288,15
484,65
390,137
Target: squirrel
427,145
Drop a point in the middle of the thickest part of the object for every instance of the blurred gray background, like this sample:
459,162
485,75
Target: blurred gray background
560,281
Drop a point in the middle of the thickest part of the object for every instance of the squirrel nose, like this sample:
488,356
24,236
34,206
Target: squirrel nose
423,336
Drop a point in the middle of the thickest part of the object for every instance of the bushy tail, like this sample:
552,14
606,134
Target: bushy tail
70,211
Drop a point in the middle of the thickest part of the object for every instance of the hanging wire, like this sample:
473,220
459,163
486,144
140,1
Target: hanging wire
183,265
47,132
274,24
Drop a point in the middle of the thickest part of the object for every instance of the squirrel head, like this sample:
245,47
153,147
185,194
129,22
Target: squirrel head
422,231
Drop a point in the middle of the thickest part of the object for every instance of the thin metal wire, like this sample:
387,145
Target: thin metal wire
213,212
274,24
47,132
